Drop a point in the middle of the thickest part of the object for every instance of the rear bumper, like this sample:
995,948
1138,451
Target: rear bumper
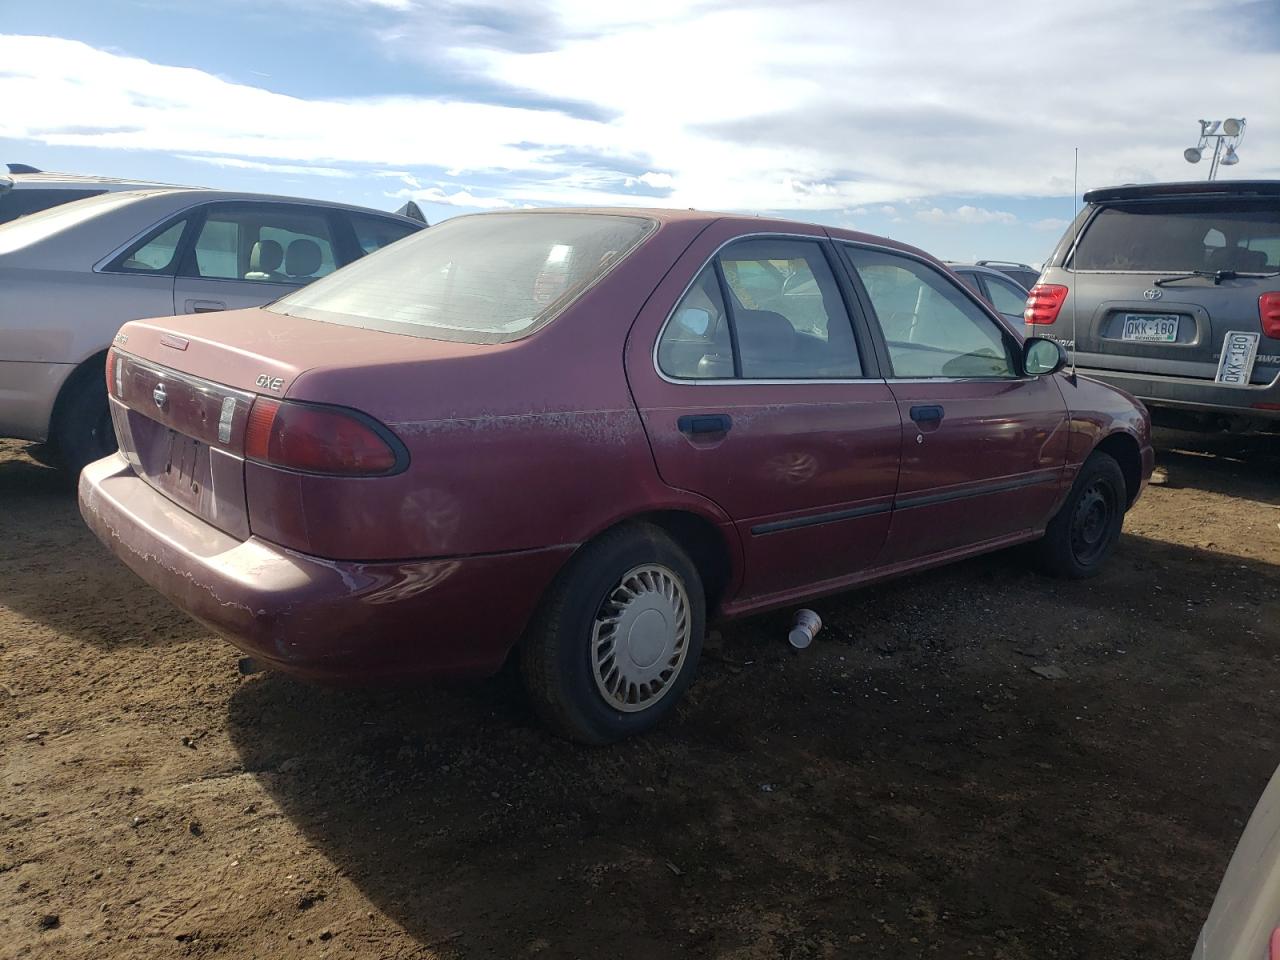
1203,396
338,622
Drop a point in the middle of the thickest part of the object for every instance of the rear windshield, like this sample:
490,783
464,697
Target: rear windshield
38,226
1185,235
19,203
487,278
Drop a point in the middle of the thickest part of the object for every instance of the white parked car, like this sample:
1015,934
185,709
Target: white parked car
70,275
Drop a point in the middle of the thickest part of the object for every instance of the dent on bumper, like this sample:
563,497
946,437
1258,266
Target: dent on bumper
1204,395
322,619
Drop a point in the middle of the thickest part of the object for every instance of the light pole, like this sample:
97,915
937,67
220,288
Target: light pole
1226,133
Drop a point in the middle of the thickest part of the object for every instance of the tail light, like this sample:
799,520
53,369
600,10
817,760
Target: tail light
1269,314
110,370
312,438
1043,303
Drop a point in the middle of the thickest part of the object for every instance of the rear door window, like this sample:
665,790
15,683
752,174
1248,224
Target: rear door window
1173,236
787,312
264,243
784,318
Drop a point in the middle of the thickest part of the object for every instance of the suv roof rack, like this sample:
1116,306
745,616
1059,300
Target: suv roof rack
1214,188
1005,263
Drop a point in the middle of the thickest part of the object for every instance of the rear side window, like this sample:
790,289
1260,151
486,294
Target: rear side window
156,254
785,318
1168,236
487,278
374,233
19,203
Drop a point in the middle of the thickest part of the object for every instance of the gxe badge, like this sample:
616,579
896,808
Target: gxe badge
1155,293
159,395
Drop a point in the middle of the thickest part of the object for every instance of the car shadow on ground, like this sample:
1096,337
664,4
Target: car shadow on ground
906,781
58,574
1235,466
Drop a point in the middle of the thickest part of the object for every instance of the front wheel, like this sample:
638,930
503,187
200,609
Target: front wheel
617,640
1083,533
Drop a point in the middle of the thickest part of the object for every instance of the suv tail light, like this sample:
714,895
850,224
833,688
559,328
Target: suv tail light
1043,303
1269,314
312,438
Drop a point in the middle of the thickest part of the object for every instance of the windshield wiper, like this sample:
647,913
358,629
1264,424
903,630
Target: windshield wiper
1217,276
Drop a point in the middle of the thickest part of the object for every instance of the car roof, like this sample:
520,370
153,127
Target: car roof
1186,188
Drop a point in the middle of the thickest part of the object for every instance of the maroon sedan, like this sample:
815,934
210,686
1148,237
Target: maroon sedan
580,434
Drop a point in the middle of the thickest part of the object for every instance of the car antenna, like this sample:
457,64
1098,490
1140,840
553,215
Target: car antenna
1075,251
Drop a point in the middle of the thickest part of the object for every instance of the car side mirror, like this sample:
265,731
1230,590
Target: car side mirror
1042,356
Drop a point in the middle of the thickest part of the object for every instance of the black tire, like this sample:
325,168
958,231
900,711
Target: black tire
82,430
1084,531
557,661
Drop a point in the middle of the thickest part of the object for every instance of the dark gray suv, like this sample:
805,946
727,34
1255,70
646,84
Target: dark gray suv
1171,291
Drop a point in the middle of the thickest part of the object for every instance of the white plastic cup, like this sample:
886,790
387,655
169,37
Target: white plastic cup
804,629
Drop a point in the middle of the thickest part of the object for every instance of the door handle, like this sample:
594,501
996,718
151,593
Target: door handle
704,424
927,413
205,306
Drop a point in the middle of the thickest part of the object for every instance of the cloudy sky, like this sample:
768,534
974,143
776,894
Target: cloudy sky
946,124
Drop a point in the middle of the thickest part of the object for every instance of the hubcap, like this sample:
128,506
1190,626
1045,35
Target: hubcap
1091,522
640,638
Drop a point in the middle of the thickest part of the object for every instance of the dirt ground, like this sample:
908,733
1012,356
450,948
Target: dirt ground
907,787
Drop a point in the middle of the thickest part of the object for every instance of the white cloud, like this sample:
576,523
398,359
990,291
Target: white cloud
459,198
1051,224
659,181
848,115
965,214
238,164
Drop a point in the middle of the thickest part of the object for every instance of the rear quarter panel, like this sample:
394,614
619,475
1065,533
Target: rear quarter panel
517,446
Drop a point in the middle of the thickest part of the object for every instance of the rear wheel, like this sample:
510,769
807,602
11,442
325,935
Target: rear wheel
617,640
1081,536
82,429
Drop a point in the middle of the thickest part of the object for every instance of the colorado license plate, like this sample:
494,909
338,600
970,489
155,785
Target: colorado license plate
1235,365
1150,328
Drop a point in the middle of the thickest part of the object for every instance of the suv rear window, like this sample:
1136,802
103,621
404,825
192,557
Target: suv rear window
487,278
1173,236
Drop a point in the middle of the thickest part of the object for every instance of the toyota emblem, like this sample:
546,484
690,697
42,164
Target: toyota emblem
1153,294
159,395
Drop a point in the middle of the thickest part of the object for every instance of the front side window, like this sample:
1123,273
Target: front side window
787,316
267,243
485,278
931,329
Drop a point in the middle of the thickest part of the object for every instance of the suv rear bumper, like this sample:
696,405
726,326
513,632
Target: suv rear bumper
1204,396
340,622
